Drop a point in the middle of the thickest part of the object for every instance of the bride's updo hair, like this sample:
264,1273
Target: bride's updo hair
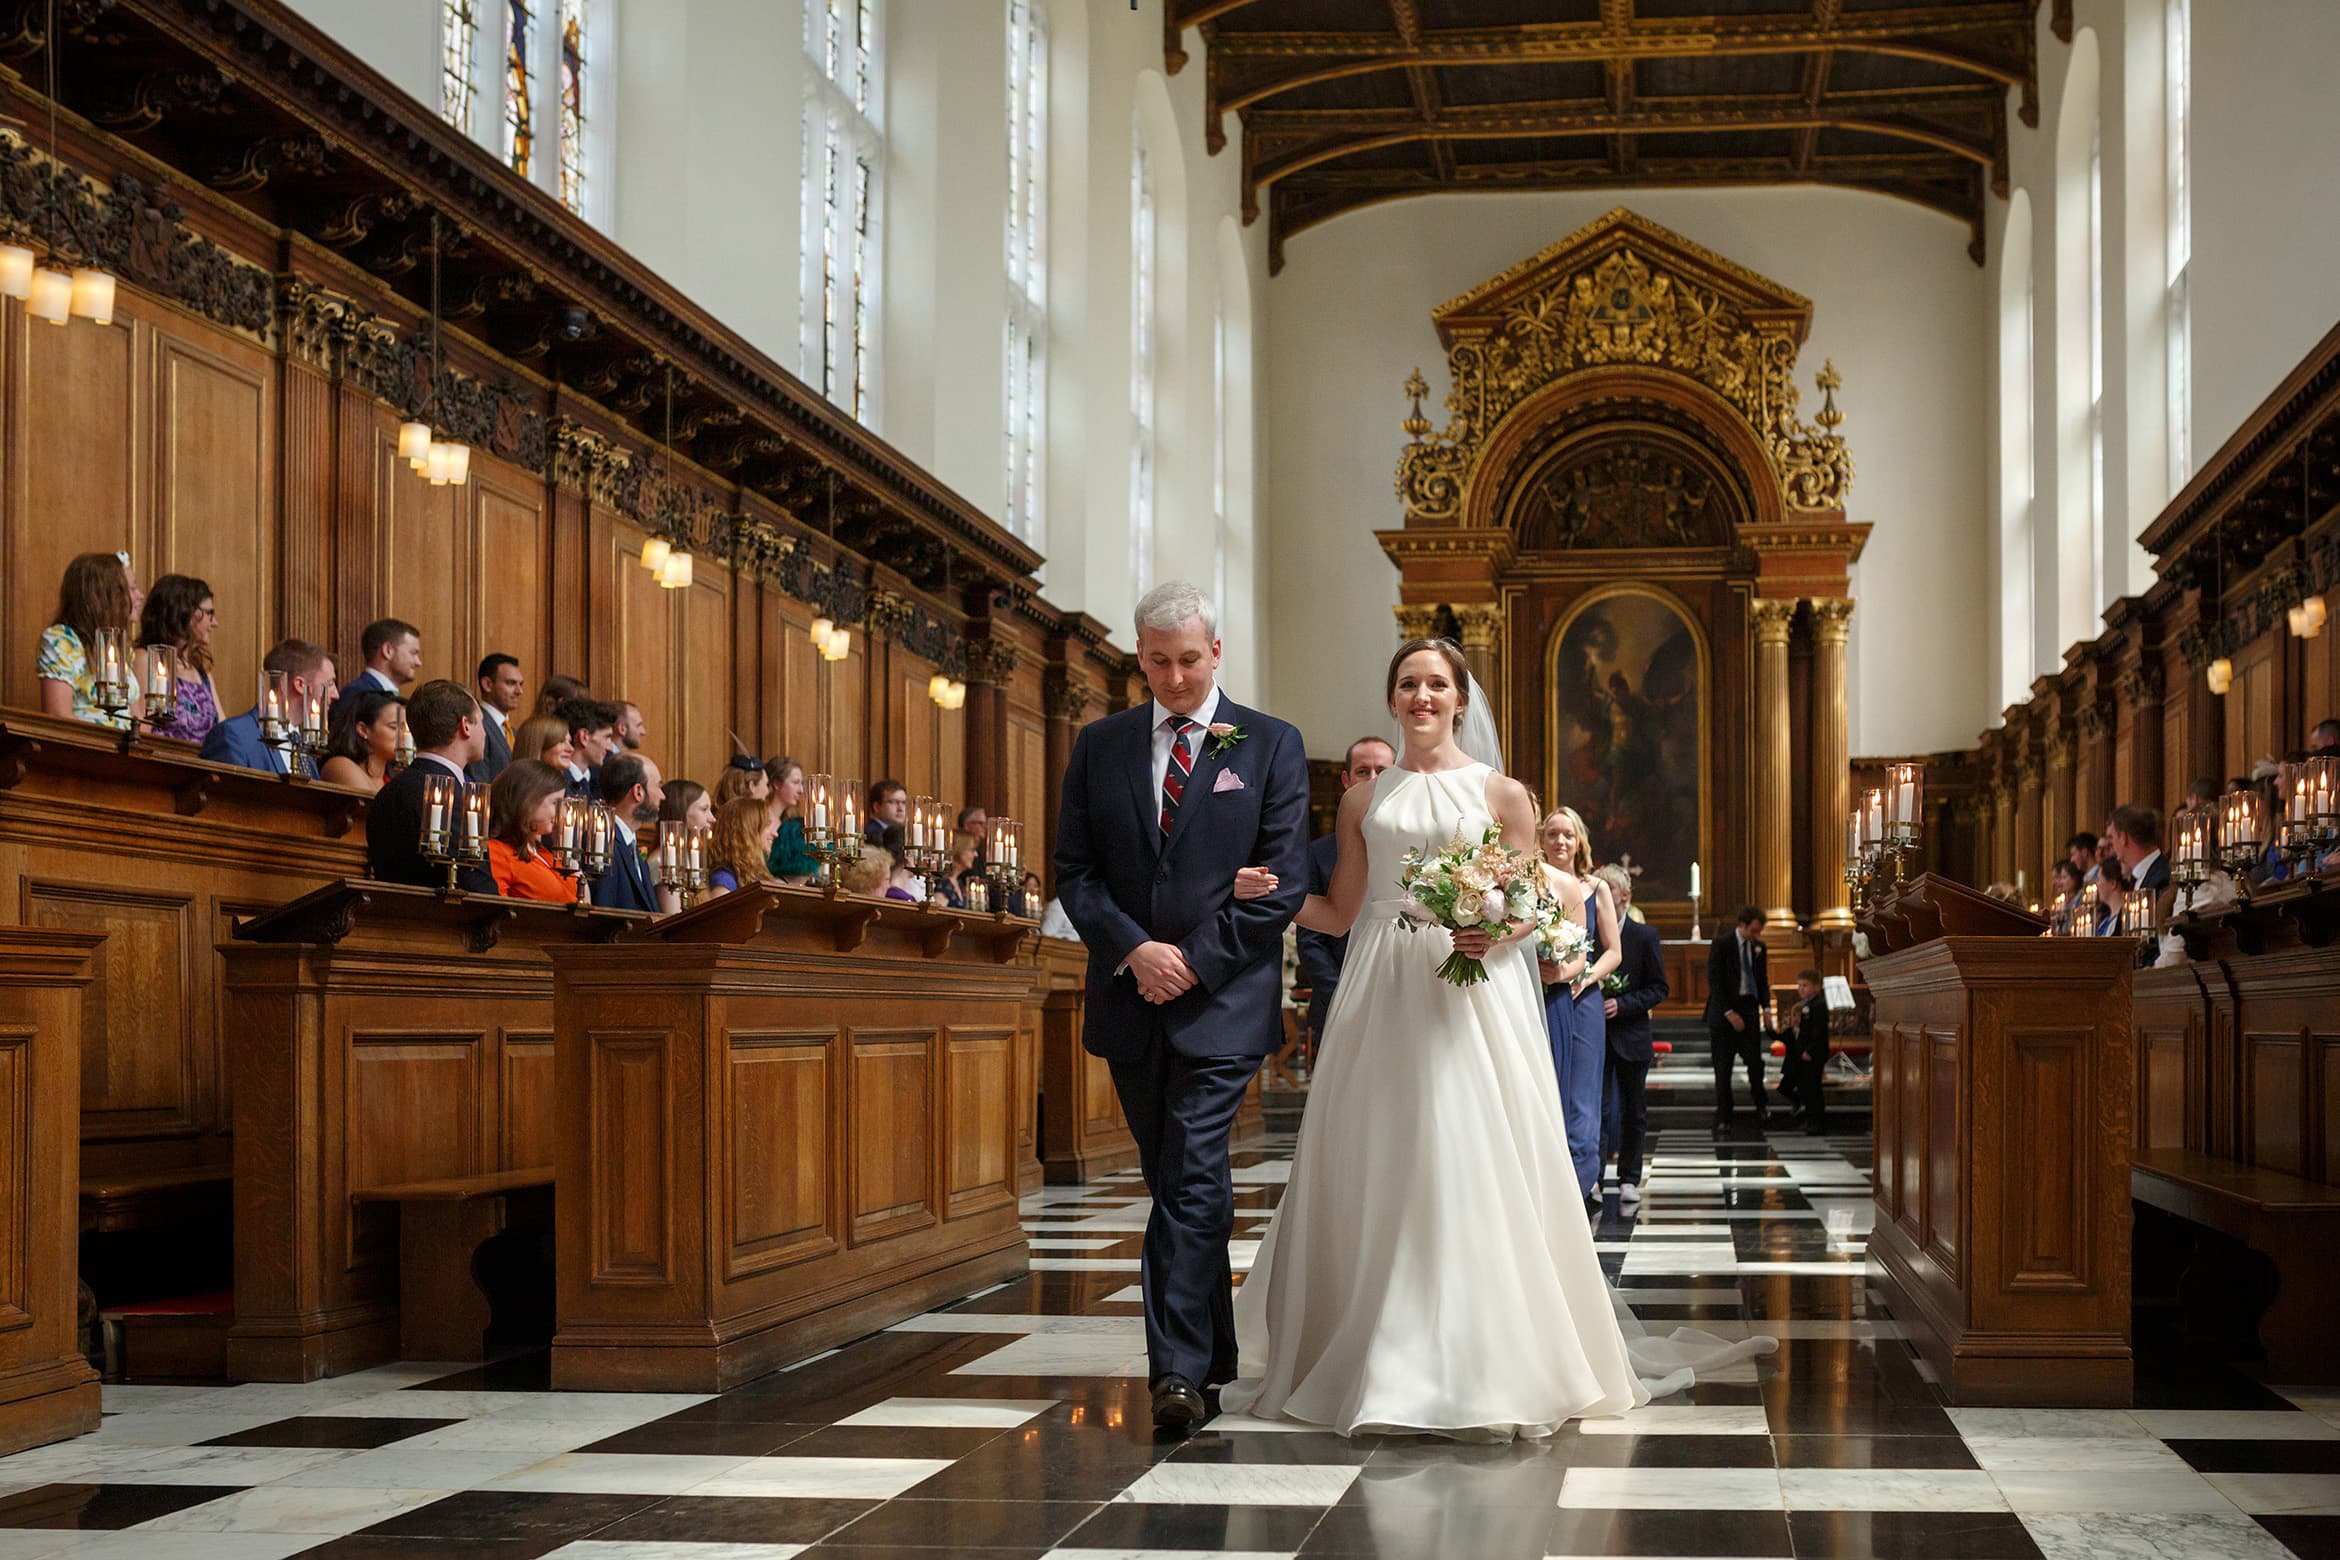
1458,668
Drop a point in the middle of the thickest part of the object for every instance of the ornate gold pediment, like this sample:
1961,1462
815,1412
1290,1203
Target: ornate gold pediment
1623,291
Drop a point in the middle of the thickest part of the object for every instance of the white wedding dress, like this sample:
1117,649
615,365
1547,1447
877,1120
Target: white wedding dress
1429,1269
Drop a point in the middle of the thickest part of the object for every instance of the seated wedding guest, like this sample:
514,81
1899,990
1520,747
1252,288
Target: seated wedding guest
364,741
237,740
1637,985
592,733
889,807
2324,741
179,613
743,776
445,722
631,727
523,806
501,686
975,821
2080,850
392,652
99,591
904,884
792,859
2136,837
2064,884
2202,793
966,860
687,805
558,690
2112,891
1031,885
742,844
867,874
628,782
545,737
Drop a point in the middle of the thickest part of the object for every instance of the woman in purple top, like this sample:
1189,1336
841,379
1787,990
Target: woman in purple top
179,613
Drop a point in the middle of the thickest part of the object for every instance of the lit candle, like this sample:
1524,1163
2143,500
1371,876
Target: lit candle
435,799
474,821
820,804
1694,865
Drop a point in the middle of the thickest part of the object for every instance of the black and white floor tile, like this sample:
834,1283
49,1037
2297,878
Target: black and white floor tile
1015,1424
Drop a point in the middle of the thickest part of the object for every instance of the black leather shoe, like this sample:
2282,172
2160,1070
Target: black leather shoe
1178,1407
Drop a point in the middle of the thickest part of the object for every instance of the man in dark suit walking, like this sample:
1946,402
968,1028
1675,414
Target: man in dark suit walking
1321,953
1738,992
1163,804
447,737
1642,970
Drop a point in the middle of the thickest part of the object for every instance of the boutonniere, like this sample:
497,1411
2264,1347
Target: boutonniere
1224,737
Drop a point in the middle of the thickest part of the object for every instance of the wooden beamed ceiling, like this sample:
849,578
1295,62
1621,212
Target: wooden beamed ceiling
1347,103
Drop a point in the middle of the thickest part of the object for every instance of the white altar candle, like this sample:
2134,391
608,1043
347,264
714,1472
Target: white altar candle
1693,880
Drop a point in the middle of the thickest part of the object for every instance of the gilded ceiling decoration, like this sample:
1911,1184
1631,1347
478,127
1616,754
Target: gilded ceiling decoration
1347,103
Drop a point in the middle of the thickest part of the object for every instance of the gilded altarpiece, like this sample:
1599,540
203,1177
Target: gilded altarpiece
1627,524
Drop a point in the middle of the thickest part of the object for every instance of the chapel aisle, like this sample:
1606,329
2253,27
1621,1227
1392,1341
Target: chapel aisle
1016,1424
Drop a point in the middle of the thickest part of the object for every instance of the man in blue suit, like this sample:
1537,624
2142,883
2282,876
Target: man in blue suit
307,670
629,782
501,687
1162,805
1321,953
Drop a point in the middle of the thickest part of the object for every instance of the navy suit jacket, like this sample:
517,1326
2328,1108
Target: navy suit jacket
626,885
349,692
1123,883
1643,963
497,757
1722,981
394,837
1321,953
237,741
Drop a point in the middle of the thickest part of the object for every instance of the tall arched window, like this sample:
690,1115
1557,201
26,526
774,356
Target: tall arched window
572,79
519,84
458,47
1219,436
2018,468
1142,369
843,153
1027,279
2177,44
2073,508
2097,519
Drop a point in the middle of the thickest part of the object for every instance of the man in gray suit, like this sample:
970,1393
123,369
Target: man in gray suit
501,689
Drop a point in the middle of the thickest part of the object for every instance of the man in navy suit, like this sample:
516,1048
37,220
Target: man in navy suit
1738,995
391,650
307,670
1163,804
629,783
1321,953
1642,969
445,720
501,686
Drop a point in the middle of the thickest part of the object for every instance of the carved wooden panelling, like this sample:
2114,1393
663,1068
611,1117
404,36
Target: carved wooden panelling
1104,1105
421,561
1027,768
18,1174
1910,1130
2274,1088
2249,708
632,1235
799,720
2328,1114
693,742
847,709
509,586
982,1135
138,1016
2163,1098
893,1132
215,518
1945,1149
645,658
527,1127
782,1087
87,490
413,1106
916,718
951,766
2050,1097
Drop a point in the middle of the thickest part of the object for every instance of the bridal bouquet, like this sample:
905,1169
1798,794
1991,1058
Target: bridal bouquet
1484,887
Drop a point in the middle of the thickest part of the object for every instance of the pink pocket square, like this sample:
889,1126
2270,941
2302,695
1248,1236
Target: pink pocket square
1228,780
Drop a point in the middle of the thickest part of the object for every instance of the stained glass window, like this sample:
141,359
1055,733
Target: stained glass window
573,104
458,43
1141,372
519,84
1027,302
843,151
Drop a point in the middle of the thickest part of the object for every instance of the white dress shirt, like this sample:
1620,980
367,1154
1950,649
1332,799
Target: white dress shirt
2137,878
1202,718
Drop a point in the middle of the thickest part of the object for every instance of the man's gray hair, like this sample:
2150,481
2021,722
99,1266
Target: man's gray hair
1169,606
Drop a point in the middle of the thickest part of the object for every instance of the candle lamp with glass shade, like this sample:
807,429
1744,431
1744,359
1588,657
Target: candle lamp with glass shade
454,825
2140,917
158,669
596,844
402,754
681,862
1904,815
2190,841
2242,834
279,724
315,733
109,686
2322,775
1006,864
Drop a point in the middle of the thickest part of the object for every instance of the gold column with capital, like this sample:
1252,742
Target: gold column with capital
1482,637
1415,622
1831,760
1774,820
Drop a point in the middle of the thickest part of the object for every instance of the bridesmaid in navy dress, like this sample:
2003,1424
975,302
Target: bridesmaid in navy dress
1572,1000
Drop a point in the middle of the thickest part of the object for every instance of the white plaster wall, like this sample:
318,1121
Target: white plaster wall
399,40
1896,303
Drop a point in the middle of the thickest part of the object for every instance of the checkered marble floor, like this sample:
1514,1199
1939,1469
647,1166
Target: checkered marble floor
1015,1424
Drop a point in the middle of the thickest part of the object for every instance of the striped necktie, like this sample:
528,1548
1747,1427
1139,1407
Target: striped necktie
1176,773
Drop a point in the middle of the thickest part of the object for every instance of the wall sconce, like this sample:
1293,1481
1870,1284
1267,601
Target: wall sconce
16,271
946,692
2219,674
414,443
93,295
655,552
837,644
2307,619
675,573
822,628
52,296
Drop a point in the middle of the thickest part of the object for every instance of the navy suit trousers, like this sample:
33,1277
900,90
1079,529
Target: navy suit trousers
1181,1110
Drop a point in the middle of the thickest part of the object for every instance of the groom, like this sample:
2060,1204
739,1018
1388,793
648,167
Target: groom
1162,804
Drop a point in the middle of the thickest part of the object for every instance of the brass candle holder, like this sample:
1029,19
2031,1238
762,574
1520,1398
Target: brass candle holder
454,826
159,667
681,863
109,686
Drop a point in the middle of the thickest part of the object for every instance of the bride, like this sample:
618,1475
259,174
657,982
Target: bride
1429,1269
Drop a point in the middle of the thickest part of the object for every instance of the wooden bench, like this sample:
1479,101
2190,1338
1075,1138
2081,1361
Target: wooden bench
443,1313
2293,1223
143,1199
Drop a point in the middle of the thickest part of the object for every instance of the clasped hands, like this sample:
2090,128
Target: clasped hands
1161,971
